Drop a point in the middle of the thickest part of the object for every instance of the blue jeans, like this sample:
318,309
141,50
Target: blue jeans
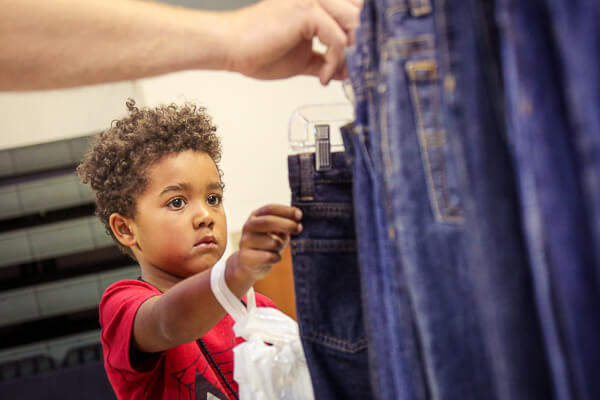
396,371
327,279
551,62
445,212
394,69
472,101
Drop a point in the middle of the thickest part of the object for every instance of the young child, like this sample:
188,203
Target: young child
160,195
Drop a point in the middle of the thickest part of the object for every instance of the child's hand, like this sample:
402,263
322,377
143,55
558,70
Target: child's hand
265,234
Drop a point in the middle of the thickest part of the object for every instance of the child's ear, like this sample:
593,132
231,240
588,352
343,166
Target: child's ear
121,228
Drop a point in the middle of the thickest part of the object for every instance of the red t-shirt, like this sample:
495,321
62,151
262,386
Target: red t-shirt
182,372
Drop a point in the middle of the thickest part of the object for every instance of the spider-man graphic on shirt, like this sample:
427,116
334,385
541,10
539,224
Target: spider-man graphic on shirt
182,372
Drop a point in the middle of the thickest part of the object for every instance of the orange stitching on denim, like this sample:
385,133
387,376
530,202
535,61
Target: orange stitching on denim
388,165
411,69
404,47
436,139
449,79
422,71
449,210
419,8
396,9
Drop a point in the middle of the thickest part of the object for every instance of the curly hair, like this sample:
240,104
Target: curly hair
116,166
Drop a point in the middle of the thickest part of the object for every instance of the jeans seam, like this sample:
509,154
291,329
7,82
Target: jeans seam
326,214
316,205
335,343
396,9
366,156
439,210
303,246
326,181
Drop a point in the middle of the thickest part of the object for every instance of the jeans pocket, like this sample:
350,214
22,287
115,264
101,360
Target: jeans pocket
438,160
328,294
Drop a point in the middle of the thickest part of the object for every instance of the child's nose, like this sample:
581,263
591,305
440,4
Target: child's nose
202,217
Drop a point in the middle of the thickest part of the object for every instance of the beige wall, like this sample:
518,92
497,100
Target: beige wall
34,117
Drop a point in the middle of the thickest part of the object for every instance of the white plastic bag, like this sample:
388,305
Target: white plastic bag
264,372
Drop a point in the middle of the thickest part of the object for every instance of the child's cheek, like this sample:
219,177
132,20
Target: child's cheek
173,240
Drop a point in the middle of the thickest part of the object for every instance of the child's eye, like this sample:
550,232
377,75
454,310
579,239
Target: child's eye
176,203
214,199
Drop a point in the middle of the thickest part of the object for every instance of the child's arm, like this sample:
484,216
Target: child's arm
189,309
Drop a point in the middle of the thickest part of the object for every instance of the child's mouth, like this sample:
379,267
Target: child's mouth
207,242
205,245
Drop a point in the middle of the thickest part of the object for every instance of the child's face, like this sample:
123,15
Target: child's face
180,223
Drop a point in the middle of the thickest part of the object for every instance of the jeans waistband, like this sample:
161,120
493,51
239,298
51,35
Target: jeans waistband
303,175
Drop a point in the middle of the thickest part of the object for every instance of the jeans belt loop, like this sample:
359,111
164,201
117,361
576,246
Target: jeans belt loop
306,176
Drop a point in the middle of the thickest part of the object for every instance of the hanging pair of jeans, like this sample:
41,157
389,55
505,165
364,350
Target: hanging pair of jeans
551,62
396,372
327,279
395,65
394,349
469,67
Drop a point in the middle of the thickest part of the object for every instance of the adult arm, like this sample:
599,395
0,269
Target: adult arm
48,44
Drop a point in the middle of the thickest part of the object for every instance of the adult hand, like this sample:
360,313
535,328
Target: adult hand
274,38
46,44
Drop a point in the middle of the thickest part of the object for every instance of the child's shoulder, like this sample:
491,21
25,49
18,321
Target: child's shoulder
127,291
121,300
130,285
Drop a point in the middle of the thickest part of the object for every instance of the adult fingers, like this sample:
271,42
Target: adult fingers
345,12
334,38
357,3
341,74
316,63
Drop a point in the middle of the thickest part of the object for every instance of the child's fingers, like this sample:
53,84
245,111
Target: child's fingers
281,239
280,210
252,259
264,241
272,223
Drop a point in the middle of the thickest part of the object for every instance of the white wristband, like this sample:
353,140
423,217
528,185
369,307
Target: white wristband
225,297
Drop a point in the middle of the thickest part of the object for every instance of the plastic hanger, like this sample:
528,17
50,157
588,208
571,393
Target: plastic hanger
315,128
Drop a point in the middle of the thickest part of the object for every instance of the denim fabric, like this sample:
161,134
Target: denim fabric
577,35
396,371
552,109
493,243
327,279
421,198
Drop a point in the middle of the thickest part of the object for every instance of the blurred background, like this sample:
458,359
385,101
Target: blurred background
55,257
